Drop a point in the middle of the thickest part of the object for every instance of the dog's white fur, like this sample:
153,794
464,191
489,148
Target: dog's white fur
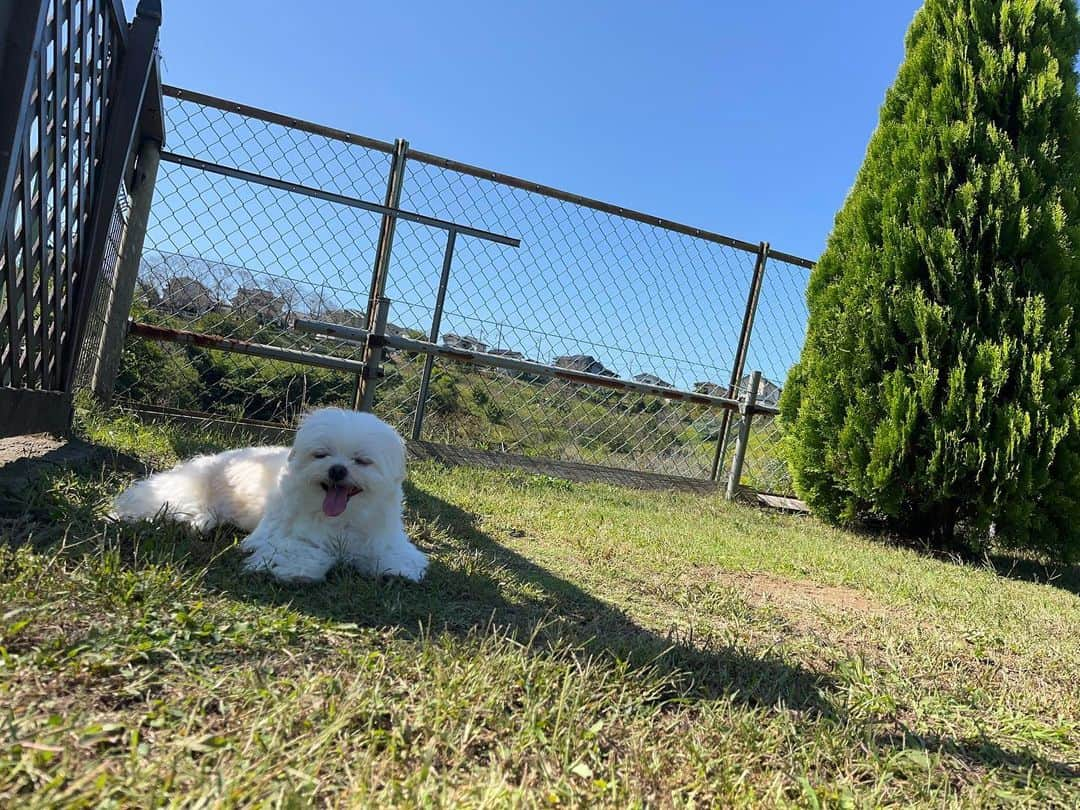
278,494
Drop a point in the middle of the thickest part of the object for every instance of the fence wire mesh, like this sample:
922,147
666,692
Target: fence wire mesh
779,325
773,348
102,295
588,290
637,299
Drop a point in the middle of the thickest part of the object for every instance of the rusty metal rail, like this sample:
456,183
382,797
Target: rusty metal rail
184,338
526,366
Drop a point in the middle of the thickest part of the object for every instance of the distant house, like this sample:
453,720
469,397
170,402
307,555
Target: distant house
261,304
768,392
397,331
356,318
710,389
585,363
187,296
465,342
653,380
511,355
147,293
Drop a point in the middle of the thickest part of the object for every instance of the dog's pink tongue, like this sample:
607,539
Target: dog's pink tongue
337,498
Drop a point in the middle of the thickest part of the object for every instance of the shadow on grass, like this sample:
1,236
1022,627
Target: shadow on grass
982,752
1025,569
474,583
1005,563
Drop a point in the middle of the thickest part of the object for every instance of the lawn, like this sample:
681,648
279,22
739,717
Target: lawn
574,644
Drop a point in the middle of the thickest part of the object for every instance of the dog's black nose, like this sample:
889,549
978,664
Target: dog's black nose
337,472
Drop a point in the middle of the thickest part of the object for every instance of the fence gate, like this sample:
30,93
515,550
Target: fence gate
289,265
79,89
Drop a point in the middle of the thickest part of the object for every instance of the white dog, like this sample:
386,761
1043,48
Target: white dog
335,496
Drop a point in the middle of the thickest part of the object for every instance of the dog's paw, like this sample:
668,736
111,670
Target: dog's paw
292,578
411,566
202,522
286,561
284,572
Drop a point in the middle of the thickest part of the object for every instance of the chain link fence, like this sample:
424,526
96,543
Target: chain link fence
773,347
259,219
99,306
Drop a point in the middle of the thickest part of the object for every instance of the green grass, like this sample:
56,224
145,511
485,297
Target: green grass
573,644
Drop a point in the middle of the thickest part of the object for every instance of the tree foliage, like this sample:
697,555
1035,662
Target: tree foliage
938,387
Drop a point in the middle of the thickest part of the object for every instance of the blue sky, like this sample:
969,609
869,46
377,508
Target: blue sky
746,119
750,119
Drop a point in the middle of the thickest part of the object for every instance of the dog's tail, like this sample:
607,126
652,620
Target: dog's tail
181,494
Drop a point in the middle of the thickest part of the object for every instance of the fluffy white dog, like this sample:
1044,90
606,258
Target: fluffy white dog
335,496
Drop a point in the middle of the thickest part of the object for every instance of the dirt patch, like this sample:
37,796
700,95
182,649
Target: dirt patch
23,458
41,448
20,448
799,594
803,593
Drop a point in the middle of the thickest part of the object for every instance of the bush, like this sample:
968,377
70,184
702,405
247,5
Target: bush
937,390
444,395
157,374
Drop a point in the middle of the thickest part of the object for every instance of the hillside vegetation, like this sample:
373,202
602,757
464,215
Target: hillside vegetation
481,408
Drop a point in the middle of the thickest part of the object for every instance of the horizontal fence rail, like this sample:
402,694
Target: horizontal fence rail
185,338
286,121
340,199
264,350
588,202
498,361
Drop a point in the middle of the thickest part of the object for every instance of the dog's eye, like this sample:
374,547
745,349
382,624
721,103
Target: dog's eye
363,462
319,454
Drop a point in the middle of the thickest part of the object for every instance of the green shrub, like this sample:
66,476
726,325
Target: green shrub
937,390
444,395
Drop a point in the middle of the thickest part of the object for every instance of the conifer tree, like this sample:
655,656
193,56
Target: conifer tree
937,392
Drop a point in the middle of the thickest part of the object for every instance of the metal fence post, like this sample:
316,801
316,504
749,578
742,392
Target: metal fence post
747,411
120,296
385,245
373,355
433,336
741,351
